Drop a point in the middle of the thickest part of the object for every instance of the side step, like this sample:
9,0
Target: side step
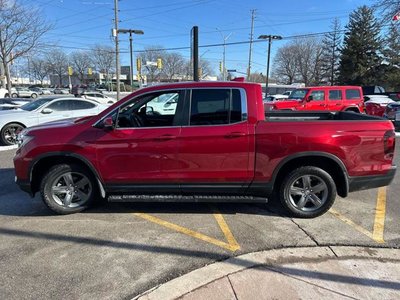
185,198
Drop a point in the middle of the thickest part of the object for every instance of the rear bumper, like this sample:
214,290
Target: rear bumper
369,182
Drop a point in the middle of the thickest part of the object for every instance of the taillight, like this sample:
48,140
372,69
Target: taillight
389,143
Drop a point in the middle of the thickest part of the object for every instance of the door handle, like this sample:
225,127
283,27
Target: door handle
165,137
235,135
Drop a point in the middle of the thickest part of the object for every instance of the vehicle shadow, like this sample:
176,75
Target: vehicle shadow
14,202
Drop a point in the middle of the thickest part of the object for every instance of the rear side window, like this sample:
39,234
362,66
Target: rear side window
353,94
335,95
215,107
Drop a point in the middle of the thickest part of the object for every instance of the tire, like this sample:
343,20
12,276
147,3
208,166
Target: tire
9,133
7,95
14,95
34,96
307,192
68,189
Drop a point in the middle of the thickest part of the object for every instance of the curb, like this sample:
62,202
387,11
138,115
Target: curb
193,280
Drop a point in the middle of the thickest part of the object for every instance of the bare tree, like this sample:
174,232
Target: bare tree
103,59
173,65
206,69
57,62
309,60
285,69
80,62
21,28
388,8
149,57
39,69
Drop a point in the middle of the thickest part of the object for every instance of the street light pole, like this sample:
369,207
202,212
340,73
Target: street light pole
130,31
269,38
225,38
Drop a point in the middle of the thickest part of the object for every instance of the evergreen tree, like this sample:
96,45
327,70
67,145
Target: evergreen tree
392,58
360,55
330,52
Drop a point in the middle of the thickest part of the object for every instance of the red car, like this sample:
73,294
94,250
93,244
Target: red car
375,105
215,145
329,98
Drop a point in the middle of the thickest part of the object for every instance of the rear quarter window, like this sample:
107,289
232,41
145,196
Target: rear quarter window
353,94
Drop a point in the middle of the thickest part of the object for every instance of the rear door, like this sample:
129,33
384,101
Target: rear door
335,99
214,145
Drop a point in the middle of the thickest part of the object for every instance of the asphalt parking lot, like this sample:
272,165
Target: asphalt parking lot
116,251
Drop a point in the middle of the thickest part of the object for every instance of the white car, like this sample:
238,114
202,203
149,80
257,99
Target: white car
8,103
20,92
276,97
44,110
4,93
98,97
163,105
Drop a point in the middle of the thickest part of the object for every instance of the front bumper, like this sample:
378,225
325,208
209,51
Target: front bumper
358,183
24,185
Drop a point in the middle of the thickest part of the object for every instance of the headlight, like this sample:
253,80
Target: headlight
23,138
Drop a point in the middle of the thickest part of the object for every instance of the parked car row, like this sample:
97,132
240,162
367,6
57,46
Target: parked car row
43,110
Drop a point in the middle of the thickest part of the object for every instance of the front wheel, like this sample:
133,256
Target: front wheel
13,95
34,96
10,132
307,192
68,189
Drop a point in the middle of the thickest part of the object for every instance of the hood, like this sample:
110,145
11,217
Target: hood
54,124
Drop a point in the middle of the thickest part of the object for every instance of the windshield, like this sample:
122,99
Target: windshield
35,104
298,94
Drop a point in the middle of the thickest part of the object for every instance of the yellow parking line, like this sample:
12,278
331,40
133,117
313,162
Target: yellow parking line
379,222
189,232
226,231
351,223
380,211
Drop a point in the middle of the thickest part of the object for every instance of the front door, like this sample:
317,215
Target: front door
141,152
214,148
316,100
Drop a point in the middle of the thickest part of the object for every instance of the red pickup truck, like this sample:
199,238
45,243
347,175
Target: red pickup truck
329,98
205,141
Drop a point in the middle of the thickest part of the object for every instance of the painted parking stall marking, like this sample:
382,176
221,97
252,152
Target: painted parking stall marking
231,244
379,221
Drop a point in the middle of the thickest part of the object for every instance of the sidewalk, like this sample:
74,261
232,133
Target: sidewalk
338,272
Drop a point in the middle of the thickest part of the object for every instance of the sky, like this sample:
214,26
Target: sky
81,24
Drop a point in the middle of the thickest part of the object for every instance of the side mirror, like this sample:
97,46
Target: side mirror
108,123
310,98
47,111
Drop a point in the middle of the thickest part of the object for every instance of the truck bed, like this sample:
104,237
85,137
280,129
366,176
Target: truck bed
288,116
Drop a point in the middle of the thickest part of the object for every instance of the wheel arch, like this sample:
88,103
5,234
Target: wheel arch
328,162
42,164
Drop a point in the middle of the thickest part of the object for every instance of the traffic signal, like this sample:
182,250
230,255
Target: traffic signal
89,71
70,71
159,63
138,64
221,69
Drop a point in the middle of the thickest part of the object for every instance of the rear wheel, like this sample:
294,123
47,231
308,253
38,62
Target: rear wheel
9,133
34,96
307,192
68,189
14,95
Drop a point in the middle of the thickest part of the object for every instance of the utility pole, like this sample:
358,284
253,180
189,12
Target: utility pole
117,71
253,12
225,38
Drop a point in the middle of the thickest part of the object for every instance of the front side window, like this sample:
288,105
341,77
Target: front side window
215,107
318,95
298,94
62,105
151,110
